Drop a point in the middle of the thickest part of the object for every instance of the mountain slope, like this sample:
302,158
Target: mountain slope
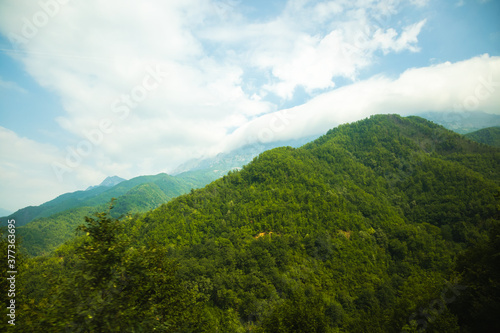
136,195
394,160
139,194
192,174
488,136
61,203
357,231
99,195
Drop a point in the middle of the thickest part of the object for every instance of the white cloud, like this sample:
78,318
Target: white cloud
26,172
470,85
389,41
312,43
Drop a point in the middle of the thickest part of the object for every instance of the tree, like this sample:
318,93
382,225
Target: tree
111,286
478,308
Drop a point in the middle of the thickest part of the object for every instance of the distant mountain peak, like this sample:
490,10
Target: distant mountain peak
108,182
111,181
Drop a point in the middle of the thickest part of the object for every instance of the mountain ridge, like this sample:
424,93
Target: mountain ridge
488,136
353,232
109,181
204,170
98,196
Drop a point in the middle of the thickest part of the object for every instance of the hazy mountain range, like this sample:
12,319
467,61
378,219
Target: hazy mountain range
464,121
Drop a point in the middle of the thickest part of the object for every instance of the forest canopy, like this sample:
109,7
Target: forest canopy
388,224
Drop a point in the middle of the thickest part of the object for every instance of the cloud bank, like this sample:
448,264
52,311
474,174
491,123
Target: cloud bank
471,85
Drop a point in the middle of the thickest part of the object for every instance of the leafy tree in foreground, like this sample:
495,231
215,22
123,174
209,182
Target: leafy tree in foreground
110,286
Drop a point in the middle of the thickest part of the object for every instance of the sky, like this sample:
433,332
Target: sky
94,88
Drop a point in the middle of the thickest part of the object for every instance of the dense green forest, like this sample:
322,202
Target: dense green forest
54,222
164,187
388,224
140,194
488,136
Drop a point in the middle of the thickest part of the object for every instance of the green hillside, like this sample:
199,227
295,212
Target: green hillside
388,224
63,202
45,234
100,195
488,136
140,194
56,220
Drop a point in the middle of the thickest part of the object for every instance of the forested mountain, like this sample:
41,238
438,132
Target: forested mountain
488,136
192,174
137,195
55,221
111,187
61,203
222,163
388,224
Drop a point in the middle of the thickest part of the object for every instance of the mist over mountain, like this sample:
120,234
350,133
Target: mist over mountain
462,121
222,163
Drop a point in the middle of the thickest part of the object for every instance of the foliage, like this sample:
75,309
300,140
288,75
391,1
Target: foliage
46,233
104,284
488,136
479,266
357,231
162,188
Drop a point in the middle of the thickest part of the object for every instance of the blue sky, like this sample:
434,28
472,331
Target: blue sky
90,89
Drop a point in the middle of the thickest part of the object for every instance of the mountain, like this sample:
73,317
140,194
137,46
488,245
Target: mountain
488,136
61,203
388,224
45,227
406,165
108,182
195,173
215,167
101,194
136,195
464,121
